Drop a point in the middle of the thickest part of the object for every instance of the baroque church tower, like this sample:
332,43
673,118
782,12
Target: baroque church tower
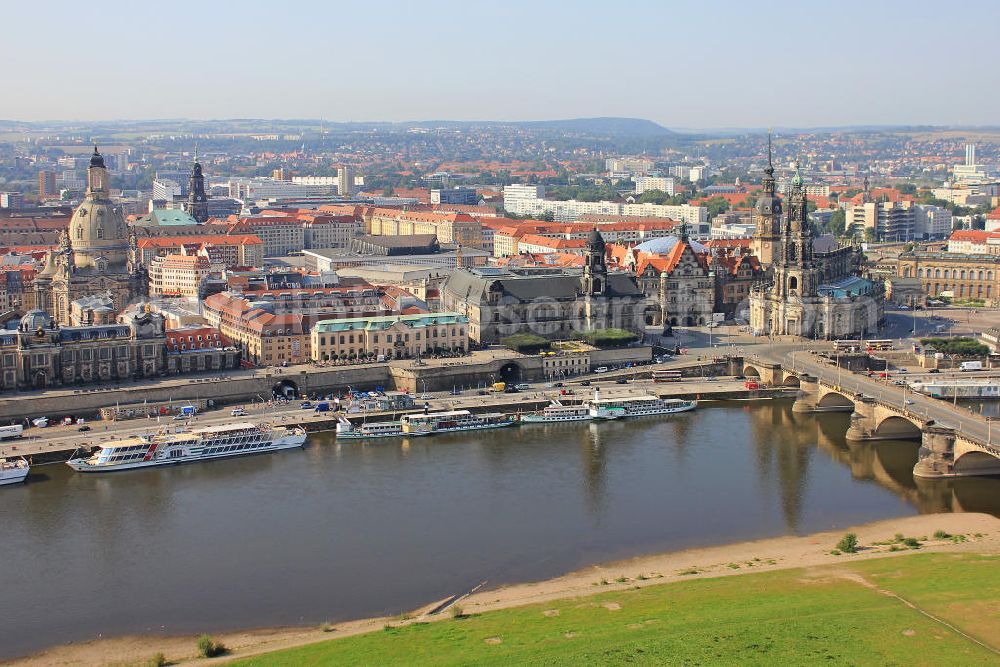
768,214
795,271
97,256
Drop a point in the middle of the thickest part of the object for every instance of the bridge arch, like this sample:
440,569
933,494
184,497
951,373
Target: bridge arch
834,401
791,380
898,428
976,462
751,372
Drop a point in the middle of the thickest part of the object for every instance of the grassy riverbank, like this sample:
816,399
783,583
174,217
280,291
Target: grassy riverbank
923,608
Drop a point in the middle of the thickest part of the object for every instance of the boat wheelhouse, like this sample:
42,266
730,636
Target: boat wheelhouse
187,446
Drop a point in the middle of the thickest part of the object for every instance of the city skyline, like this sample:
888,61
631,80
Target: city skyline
687,67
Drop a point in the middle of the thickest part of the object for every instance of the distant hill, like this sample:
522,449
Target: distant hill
618,127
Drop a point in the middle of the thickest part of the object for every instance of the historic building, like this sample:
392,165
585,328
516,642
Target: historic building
41,354
391,336
961,276
96,255
805,294
550,302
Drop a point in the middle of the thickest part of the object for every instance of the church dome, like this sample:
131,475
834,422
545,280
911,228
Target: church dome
96,159
98,231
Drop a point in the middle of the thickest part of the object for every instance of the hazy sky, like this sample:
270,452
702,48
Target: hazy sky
682,64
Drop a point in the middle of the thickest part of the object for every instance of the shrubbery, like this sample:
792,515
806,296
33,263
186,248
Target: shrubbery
605,338
848,544
963,347
209,648
526,343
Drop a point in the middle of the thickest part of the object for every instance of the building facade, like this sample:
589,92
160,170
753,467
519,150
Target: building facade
390,337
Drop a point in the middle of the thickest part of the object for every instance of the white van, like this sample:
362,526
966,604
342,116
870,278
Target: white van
601,369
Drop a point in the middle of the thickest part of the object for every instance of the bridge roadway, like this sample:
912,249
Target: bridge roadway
798,359
64,439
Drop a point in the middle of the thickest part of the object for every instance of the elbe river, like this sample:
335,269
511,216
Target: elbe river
345,530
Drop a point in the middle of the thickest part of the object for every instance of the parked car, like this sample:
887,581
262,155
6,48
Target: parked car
83,428
601,369
585,383
621,381
305,405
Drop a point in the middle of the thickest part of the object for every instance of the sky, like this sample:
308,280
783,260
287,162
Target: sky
707,64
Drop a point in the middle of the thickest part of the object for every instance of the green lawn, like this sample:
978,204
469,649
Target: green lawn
774,618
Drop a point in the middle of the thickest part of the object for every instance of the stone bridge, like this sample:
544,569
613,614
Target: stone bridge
943,453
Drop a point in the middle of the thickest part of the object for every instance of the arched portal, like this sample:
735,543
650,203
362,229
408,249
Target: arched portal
510,372
897,428
285,389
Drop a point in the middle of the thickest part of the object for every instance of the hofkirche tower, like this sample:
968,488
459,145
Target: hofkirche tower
96,256
767,234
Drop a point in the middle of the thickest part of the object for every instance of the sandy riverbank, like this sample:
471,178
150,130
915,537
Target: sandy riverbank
726,560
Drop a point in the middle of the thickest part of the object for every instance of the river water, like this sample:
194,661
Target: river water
339,531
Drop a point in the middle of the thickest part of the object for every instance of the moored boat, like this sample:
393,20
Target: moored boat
638,406
188,446
557,412
453,420
387,429
13,471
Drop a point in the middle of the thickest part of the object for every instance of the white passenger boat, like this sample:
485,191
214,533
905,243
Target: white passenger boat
453,420
637,406
187,446
557,412
390,429
13,471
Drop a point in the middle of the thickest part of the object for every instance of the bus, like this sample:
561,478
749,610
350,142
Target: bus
11,432
846,345
875,345
666,376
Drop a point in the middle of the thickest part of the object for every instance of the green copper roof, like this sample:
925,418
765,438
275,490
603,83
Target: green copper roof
386,321
162,217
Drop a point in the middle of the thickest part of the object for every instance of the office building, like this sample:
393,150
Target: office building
47,185
456,195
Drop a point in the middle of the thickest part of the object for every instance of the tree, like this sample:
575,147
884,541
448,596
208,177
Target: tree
869,234
838,222
548,216
716,206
